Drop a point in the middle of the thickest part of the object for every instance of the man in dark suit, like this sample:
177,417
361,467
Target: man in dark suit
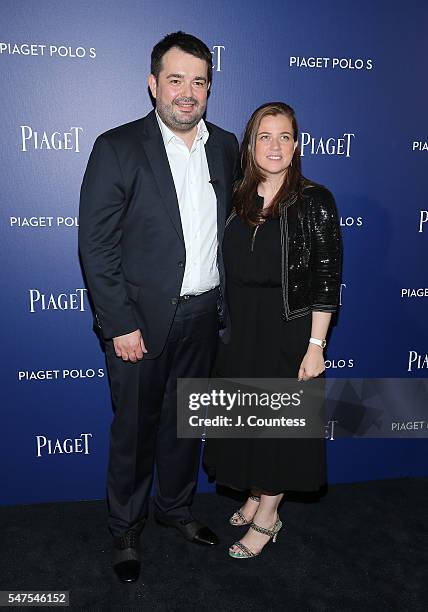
154,200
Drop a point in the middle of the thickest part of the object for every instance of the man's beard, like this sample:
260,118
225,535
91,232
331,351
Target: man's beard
174,121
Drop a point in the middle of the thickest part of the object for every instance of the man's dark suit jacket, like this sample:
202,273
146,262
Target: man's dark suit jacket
130,235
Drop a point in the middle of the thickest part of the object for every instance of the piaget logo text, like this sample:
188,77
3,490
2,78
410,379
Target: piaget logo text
420,145
61,301
336,63
333,145
46,50
57,141
67,446
217,54
417,361
69,374
43,221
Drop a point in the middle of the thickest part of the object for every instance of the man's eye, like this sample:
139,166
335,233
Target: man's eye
174,81
199,83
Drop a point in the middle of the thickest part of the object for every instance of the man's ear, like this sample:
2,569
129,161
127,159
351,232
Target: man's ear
152,83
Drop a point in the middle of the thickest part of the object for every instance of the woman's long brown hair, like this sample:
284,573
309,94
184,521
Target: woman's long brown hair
245,191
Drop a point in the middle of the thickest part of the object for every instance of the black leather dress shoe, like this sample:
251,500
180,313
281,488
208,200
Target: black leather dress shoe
191,530
126,557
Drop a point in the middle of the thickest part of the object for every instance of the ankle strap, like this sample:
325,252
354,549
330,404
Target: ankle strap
269,532
255,498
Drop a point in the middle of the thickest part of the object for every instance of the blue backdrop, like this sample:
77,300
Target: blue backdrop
356,74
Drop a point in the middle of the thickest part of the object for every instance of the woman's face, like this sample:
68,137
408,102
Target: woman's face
274,145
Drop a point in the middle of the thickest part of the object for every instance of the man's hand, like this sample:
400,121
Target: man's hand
312,364
130,347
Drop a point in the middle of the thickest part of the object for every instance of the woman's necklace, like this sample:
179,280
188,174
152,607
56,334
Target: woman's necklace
253,237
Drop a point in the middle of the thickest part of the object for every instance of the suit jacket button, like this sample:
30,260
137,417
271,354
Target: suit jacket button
181,264
174,301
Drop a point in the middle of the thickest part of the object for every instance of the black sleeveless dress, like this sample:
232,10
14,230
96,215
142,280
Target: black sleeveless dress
261,345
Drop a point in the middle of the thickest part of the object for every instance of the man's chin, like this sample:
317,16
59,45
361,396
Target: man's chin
186,123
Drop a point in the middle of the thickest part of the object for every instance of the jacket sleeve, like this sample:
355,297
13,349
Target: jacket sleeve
102,208
326,251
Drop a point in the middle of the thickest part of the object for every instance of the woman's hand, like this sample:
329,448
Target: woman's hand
312,364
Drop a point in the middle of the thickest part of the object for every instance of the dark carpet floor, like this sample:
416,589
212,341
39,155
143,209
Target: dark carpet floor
361,547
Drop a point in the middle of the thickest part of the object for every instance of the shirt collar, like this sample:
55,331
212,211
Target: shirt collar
168,135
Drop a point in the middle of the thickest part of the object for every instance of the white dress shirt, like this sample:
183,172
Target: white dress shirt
198,208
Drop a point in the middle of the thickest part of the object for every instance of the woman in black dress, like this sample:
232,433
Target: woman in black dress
282,254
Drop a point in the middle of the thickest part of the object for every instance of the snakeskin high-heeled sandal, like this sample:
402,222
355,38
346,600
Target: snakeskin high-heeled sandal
239,515
245,552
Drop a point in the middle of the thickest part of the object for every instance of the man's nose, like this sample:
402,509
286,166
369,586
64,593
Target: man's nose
186,89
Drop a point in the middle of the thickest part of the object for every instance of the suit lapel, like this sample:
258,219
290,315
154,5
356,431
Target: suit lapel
158,159
216,168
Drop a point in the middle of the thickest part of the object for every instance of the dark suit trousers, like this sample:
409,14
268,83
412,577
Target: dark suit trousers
144,428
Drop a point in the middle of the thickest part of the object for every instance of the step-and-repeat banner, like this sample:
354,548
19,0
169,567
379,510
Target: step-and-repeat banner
355,72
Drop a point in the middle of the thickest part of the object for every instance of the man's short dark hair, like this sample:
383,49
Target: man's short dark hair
187,43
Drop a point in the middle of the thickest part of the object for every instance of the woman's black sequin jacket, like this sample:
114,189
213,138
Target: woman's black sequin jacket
311,251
